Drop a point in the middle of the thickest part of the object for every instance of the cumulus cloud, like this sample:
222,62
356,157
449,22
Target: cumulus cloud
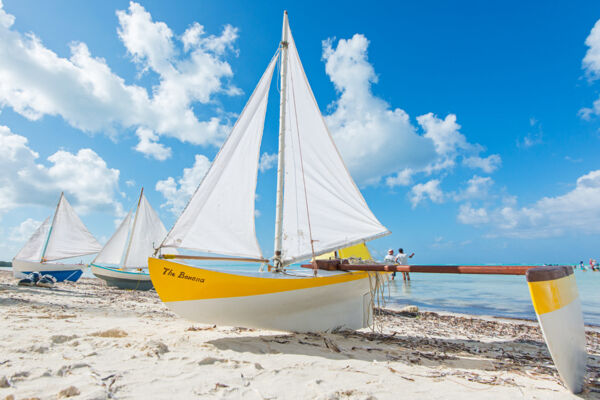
478,187
591,66
472,216
428,190
578,210
84,177
379,141
487,164
177,194
374,138
24,230
402,178
85,92
267,161
591,61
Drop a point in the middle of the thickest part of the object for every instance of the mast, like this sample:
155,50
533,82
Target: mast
133,227
281,155
51,226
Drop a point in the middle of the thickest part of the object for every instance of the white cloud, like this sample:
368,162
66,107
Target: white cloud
487,164
148,145
591,66
402,178
267,161
374,138
472,216
85,92
378,141
422,191
177,194
84,177
478,187
577,211
591,61
130,182
444,133
24,230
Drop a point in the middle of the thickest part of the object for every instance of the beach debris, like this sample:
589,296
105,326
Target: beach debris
210,361
207,328
58,339
111,333
66,369
10,397
258,366
155,348
19,376
409,309
330,345
4,383
69,392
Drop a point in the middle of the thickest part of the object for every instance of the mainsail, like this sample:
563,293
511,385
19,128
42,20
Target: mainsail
321,202
134,241
113,251
68,235
146,234
32,251
220,215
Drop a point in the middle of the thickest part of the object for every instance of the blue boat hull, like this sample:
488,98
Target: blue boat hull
61,276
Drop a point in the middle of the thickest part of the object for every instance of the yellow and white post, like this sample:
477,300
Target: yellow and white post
556,302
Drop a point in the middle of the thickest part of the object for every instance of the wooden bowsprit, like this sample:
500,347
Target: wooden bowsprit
343,265
553,293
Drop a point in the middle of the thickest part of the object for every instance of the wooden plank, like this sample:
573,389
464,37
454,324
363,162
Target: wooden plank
333,265
185,257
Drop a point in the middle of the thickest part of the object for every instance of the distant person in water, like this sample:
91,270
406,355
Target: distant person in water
582,266
402,259
390,259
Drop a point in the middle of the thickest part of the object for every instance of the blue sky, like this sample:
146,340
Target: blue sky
471,128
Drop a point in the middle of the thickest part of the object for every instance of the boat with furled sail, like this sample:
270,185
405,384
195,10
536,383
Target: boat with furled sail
62,238
123,260
319,209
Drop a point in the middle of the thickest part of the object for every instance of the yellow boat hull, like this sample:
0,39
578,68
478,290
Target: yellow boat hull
273,301
556,302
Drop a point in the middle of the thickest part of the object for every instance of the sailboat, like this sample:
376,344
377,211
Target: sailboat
319,209
123,259
63,238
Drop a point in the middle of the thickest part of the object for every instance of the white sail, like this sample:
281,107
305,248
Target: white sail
32,251
113,251
68,236
320,198
147,233
220,215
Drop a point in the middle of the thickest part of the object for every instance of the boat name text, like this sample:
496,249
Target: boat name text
181,275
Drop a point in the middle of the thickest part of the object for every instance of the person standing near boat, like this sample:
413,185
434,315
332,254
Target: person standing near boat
391,259
402,259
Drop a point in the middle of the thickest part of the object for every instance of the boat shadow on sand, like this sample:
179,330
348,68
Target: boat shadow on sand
481,361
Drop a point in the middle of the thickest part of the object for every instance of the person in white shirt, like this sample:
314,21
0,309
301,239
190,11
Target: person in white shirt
402,259
390,258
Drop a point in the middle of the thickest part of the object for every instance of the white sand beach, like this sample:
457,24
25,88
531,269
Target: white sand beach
86,341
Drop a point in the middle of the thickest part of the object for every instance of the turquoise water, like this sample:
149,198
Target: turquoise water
494,295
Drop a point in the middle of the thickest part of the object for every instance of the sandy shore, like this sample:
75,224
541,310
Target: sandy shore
87,341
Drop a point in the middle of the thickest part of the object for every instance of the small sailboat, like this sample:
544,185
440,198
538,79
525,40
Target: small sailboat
124,258
63,238
319,209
